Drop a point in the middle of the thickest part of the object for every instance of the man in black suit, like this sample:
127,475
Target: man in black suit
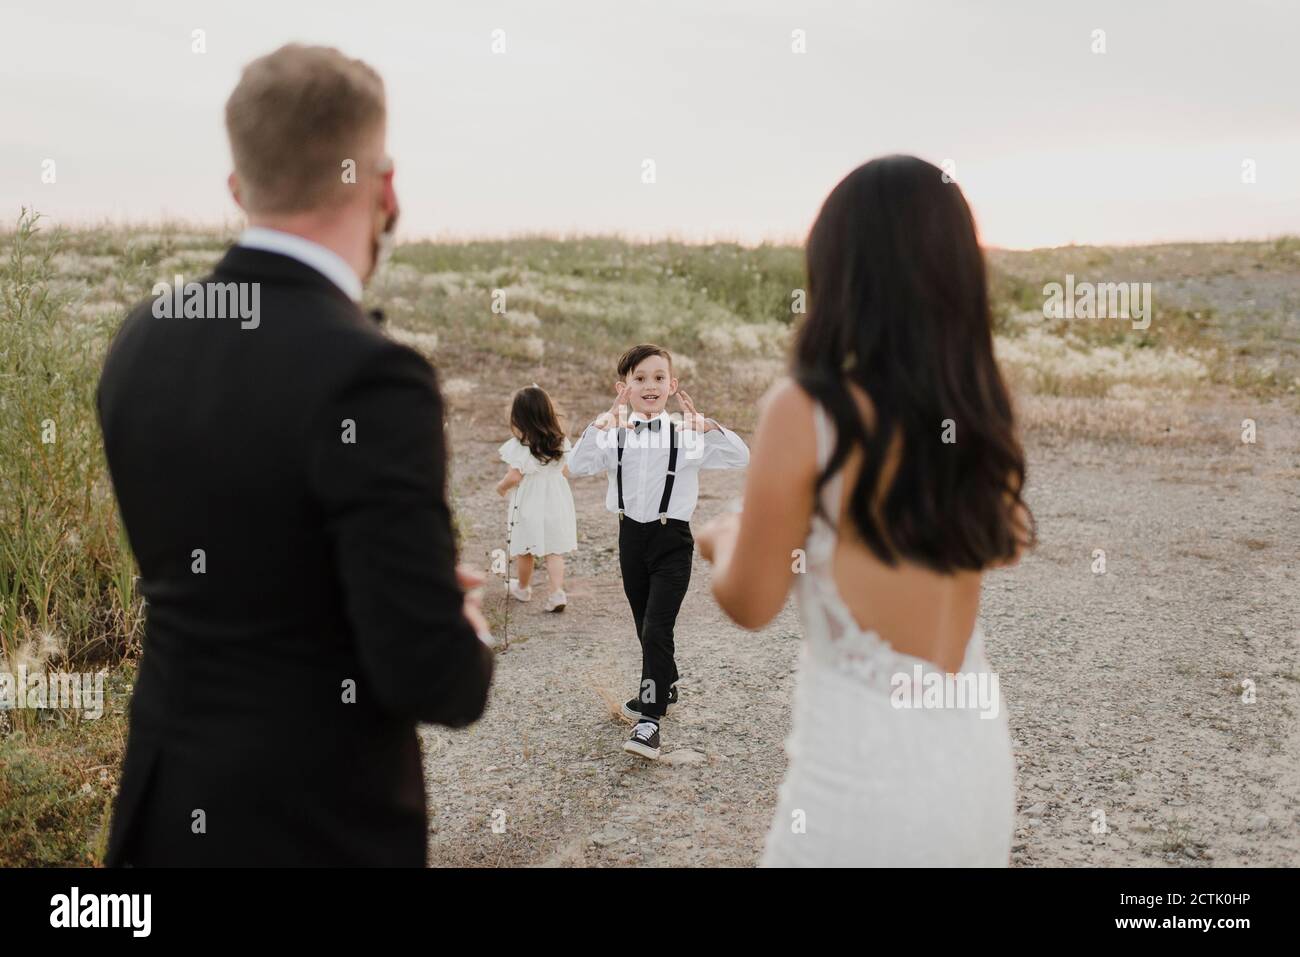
280,467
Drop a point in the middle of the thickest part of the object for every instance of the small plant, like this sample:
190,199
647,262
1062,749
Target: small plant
64,565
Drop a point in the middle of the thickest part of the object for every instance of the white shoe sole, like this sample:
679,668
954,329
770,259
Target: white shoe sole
635,716
635,747
559,607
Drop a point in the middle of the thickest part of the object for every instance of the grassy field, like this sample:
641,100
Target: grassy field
1226,317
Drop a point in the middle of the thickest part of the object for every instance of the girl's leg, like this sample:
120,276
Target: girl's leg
555,572
525,574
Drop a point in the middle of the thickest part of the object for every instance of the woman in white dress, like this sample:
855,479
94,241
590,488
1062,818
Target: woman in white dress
884,480
540,519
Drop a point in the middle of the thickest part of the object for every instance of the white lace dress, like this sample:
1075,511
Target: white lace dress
871,784
540,519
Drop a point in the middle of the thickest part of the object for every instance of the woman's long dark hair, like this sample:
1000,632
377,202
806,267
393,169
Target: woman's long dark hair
533,416
898,304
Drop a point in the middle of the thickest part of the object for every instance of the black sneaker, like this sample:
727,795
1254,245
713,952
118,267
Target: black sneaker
632,707
644,740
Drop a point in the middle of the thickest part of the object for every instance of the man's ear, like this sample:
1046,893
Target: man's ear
232,181
391,208
672,386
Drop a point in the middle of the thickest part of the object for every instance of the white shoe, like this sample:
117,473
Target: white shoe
522,594
556,602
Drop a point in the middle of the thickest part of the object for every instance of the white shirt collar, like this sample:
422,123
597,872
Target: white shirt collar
639,417
325,261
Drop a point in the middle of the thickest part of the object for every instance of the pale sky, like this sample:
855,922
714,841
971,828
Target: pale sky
1051,142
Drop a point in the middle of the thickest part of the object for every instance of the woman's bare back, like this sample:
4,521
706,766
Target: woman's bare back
915,610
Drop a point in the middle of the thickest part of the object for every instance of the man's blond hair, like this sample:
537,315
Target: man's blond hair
296,119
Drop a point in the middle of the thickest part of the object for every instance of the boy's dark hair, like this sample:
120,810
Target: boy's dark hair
639,354
533,414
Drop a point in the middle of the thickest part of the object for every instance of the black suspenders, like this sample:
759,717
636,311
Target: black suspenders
621,432
668,482
672,474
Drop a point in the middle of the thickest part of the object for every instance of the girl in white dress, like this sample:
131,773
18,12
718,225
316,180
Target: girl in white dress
884,481
540,520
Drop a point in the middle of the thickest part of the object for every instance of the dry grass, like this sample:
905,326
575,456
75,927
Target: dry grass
612,702
67,579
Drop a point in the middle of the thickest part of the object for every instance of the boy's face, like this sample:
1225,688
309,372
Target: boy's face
649,385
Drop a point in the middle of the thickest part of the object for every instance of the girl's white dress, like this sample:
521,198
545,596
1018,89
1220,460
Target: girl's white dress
540,519
870,784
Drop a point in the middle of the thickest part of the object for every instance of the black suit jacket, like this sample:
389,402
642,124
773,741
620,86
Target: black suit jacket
302,607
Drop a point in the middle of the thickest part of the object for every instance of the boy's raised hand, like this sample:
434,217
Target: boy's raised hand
691,417
617,414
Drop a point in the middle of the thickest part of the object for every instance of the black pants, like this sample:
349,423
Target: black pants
656,562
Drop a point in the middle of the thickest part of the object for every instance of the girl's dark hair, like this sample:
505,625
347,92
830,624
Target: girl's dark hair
898,304
533,416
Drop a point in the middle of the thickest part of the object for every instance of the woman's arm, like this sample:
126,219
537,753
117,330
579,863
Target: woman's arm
754,553
513,478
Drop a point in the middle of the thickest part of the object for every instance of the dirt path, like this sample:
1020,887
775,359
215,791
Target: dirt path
1123,688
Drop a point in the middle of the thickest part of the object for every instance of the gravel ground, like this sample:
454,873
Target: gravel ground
1124,687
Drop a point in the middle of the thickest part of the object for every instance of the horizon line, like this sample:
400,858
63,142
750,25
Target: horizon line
450,237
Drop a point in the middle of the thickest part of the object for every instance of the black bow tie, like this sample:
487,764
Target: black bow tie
652,425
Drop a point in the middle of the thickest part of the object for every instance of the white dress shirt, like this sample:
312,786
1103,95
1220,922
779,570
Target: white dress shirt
645,464
325,261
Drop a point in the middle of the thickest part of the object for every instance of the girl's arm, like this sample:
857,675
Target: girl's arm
513,478
754,553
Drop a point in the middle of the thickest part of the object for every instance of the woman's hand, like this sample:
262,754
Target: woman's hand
718,536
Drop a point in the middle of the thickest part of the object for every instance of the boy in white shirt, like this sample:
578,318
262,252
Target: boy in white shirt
653,467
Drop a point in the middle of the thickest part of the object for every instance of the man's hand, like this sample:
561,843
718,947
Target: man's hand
617,414
691,418
471,580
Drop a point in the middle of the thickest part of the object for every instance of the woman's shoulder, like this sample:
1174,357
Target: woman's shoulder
796,400
788,418
787,402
